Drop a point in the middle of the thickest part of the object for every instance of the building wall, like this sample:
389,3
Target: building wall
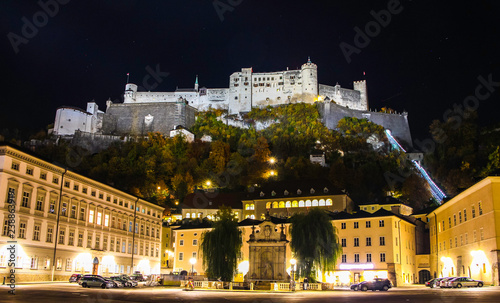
36,186
68,120
465,233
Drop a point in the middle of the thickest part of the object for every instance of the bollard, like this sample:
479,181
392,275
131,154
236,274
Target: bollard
230,285
251,286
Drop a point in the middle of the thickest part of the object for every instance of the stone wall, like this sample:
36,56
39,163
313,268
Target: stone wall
140,119
332,113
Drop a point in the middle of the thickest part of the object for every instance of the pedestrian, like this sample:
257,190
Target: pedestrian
306,282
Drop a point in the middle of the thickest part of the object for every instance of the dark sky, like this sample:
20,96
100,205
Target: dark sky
426,59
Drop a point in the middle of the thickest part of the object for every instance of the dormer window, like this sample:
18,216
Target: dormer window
325,190
299,192
312,191
262,194
273,193
286,192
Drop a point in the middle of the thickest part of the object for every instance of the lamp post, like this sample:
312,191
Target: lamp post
193,262
293,262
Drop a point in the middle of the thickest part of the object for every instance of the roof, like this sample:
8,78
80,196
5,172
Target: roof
363,215
384,201
308,188
74,108
212,200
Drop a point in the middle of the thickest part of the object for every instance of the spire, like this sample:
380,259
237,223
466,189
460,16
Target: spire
196,83
308,59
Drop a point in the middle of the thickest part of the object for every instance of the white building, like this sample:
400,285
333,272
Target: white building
65,223
70,119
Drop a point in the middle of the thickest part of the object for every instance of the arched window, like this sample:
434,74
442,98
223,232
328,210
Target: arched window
251,206
301,203
288,204
188,215
315,202
268,205
282,204
252,217
329,202
295,203
308,203
275,204
321,202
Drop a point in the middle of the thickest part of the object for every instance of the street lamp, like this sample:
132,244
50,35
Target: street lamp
208,183
193,262
272,160
293,262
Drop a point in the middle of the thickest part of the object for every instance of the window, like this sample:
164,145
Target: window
194,254
481,231
93,193
356,258
344,242
91,216
36,232
381,223
356,224
344,258
124,245
99,218
181,256
26,199
368,224
465,215
105,243
58,264
461,240
43,176
50,231
34,263
442,225
82,213
22,230
97,242
89,241
382,257
473,212
195,242
382,241
55,180
64,209
112,244
71,238
66,184
466,239
181,242
454,220
61,236
68,265
368,258
29,171
343,225
52,206
73,211
39,202
479,207
75,187
5,228
136,228
80,240
356,242
368,241
15,166
449,222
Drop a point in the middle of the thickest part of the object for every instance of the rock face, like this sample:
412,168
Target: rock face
331,114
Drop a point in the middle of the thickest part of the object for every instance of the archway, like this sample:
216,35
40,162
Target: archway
423,276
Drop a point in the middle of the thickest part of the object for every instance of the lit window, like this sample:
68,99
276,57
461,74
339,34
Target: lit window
99,218
91,216
106,220
301,203
328,202
308,203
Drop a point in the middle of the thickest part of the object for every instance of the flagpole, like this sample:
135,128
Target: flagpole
128,74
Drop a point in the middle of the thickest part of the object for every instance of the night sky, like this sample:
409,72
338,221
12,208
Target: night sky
426,59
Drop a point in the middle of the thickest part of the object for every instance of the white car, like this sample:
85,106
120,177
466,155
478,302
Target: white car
464,282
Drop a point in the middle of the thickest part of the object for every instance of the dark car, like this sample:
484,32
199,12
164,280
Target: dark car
123,279
95,281
375,284
75,278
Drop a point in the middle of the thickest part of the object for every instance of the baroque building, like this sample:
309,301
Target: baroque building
64,223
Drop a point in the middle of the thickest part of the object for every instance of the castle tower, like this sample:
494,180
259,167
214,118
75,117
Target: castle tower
130,93
361,87
196,84
309,73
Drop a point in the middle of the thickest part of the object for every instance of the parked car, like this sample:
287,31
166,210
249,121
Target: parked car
444,282
95,281
137,276
125,281
75,278
375,284
464,282
116,283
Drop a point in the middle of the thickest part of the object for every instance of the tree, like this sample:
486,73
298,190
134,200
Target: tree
220,247
315,243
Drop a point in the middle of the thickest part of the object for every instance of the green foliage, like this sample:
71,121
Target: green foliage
221,246
315,243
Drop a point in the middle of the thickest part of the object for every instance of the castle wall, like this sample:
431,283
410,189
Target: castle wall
69,119
211,98
342,96
140,119
332,113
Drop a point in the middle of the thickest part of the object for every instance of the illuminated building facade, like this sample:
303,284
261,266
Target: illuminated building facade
465,233
89,225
